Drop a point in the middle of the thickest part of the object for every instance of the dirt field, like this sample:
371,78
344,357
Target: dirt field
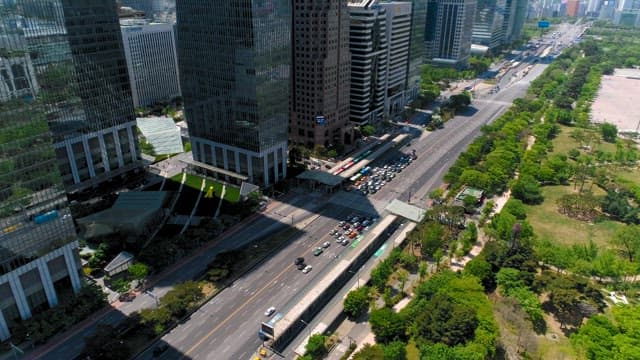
618,100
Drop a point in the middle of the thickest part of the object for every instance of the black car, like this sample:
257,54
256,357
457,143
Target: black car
299,261
301,266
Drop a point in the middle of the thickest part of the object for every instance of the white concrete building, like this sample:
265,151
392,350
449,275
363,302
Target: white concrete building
150,50
40,281
380,38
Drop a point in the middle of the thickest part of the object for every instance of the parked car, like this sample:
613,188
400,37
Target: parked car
128,296
345,242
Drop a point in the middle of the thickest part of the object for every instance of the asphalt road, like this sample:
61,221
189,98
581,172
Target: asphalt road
227,326
266,224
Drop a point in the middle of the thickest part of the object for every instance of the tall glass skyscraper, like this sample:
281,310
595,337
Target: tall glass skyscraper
234,61
66,123
416,50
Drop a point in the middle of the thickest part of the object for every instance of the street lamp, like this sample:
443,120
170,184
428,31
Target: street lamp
357,277
153,296
306,324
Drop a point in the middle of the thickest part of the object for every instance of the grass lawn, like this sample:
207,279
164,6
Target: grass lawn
628,175
232,193
549,224
412,351
563,143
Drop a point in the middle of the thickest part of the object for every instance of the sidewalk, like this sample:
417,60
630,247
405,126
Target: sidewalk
80,329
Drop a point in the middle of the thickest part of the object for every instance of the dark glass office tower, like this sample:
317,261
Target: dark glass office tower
66,123
234,60
416,50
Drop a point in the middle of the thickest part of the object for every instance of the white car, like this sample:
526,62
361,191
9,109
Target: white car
271,310
307,269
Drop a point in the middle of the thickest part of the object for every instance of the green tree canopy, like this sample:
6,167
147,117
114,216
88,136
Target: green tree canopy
357,302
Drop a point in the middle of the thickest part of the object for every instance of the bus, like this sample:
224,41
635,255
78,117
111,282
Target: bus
366,170
355,177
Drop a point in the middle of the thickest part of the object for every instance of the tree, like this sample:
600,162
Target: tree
403,276
138,270
469,202
357,302
433,239
443,320
609,132
182,297
316,346
395,350
368,130
516,208
386,325
370,352
104,345
526,188
509,279
480,268
628,239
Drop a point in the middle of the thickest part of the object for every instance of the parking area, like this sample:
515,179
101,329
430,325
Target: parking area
371,179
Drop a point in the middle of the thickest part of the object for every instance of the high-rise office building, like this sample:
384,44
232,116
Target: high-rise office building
234,62
150,50
368,44
66,122
416,50
448,32
515,14
380,44
398,32
488,23
79,42
520,16
321,73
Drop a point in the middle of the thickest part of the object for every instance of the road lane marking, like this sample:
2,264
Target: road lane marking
233,314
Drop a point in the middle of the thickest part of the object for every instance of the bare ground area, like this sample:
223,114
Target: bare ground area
618,100
517,338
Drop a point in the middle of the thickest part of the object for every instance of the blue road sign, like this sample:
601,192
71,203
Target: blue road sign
543,24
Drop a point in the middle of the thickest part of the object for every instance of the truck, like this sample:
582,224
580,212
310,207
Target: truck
46,217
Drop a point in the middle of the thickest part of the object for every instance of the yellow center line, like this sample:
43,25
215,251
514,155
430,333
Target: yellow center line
222,323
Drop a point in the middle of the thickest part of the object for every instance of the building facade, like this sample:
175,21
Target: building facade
234,61
416,50
93,126
448,32
320,73
63,110
488,23
150,50
398,32
369,56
